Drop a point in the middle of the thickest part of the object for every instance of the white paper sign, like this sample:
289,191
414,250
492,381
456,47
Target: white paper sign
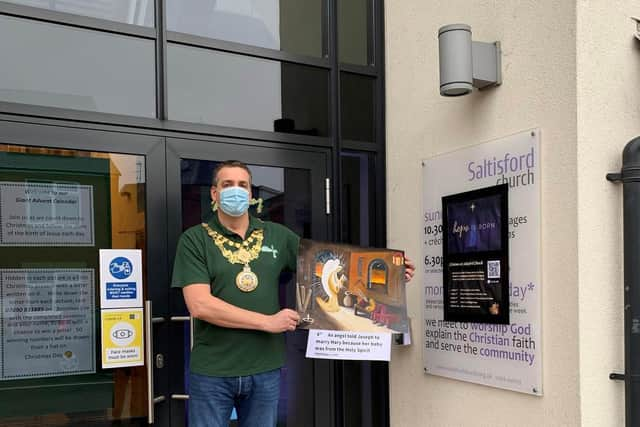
504,356
47,322
120,278
345,345
46,214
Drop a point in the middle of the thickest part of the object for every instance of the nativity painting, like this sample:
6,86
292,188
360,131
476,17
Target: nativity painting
349,288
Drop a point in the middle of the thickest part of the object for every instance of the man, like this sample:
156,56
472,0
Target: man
232,293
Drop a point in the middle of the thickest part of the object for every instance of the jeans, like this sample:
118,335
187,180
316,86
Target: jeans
255,397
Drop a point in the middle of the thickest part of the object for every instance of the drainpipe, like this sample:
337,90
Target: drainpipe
630,179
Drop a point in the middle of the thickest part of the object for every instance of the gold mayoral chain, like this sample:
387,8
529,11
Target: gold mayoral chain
244,253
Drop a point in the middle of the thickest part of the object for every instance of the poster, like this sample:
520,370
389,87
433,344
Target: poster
507,356
120,278
122,337
46,214
47,322
348,288
476,256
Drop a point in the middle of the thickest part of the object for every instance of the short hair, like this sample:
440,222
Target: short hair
229,164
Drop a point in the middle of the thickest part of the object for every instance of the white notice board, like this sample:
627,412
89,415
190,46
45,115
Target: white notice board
504,356
46,214
47,322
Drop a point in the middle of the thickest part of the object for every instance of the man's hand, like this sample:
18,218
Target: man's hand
204,306
409,269
284,320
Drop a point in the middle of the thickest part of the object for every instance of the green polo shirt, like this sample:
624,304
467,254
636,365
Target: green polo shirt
227,352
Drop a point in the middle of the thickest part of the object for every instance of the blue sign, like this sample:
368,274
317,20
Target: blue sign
120,268
121,290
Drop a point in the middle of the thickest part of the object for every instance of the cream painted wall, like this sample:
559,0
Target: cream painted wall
608,95
539,90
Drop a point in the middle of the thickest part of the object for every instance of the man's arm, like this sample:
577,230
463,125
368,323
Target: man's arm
204,306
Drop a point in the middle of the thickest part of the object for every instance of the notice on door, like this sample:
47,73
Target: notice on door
122,338
120,278
46,214
47,322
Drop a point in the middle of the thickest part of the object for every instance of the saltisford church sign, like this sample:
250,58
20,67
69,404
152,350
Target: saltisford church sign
507,352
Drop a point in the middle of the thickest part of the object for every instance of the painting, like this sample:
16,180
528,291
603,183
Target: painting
350,288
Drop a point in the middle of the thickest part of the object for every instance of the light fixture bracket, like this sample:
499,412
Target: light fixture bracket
464,63
486,64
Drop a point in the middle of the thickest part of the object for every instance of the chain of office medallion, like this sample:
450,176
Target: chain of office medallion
243,253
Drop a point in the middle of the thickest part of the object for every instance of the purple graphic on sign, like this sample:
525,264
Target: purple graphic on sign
474,225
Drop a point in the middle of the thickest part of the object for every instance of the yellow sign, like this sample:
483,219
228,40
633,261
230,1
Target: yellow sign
122,337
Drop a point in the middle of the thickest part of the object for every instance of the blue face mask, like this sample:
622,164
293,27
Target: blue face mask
234,201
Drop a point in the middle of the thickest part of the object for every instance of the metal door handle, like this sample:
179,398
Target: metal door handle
190,320
180,396
148,356
185,319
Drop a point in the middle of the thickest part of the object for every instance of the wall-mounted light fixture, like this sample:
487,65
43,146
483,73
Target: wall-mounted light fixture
465,64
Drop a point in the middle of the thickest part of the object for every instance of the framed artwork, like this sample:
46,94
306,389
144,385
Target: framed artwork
349,288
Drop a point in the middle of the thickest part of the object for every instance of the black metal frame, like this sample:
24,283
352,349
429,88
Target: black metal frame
78,122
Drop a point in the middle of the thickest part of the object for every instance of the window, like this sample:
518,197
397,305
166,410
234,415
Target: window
136,12
59,66
244,92
294,26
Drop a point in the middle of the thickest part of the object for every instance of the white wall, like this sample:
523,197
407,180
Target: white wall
608,117
539,90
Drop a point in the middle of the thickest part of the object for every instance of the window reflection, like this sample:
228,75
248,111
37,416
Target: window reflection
238,91
293,26
354,29
357,198
68,204
358,107
136,12
57,66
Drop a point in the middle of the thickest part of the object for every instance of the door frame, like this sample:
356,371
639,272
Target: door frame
149,146
216,149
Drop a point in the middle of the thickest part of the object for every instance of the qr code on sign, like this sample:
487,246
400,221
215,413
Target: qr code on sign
493,269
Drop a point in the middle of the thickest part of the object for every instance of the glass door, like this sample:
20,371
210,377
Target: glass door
290,187
64,195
